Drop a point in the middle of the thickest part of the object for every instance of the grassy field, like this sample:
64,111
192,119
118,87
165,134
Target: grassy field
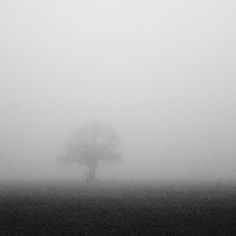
44,209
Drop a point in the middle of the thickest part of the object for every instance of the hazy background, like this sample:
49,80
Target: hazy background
161,72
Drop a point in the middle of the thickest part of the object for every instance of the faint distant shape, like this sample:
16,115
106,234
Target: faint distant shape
91,144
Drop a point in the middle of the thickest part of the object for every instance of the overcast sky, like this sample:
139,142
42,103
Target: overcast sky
161,72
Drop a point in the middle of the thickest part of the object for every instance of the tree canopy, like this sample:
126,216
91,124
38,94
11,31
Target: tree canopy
92,143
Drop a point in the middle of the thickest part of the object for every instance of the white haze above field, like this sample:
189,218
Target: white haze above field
162,73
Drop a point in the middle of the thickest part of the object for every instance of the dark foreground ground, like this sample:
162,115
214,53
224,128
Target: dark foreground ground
121,210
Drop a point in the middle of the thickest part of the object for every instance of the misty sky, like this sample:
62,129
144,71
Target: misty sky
162,73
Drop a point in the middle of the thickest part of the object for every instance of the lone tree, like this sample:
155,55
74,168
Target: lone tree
91,144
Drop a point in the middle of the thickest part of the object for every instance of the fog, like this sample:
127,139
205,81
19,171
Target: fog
162,73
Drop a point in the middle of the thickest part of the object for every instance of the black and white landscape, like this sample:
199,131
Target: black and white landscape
117,117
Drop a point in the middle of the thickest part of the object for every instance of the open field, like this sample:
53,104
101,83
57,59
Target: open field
44,209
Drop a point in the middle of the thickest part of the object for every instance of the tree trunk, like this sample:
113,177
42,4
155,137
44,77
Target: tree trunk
91,174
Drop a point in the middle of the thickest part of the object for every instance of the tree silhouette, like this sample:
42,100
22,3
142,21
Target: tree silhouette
90,144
